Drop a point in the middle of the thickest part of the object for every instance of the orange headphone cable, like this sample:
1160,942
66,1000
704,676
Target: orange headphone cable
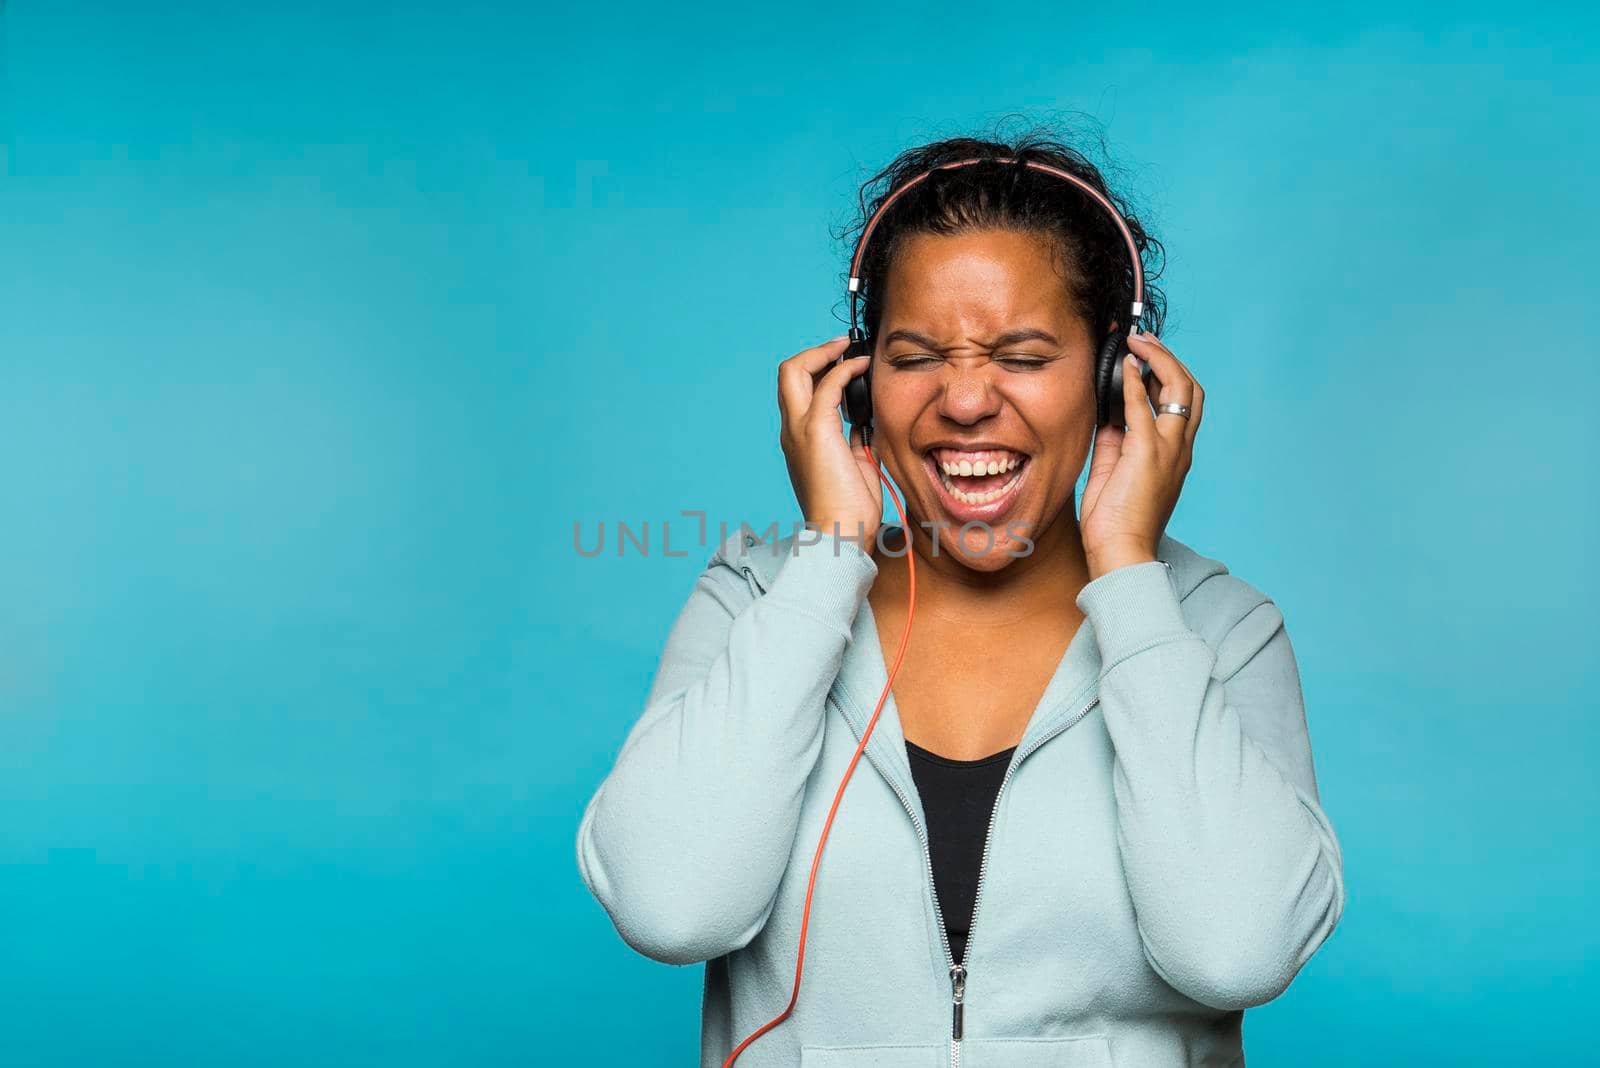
816,861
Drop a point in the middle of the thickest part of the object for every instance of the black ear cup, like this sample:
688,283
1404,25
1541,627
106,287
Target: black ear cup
858,391
1108,380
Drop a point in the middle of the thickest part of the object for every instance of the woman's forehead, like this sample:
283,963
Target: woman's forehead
1007,279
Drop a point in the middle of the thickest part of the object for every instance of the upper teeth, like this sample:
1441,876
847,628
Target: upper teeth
979,467
981,498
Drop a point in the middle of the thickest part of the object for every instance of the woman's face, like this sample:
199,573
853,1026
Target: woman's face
981,363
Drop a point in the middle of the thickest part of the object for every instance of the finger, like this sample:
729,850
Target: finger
1152,341
1108,443
1196,402
829,393
1197,395
1176,382
1182,366
1136,411
797,375
794,390
816,359
1175,387
1195,410
1164,422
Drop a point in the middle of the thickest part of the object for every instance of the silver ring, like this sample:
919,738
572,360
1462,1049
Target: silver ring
1174,408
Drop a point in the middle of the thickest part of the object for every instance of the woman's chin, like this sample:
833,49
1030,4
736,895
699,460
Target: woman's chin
991,548
986,532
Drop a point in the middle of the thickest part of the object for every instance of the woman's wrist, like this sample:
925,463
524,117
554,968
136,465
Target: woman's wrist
1108,560
844,530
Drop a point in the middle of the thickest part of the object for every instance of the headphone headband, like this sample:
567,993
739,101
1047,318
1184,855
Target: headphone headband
856,334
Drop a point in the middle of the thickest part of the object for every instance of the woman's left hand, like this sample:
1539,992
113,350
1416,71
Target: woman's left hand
1137,474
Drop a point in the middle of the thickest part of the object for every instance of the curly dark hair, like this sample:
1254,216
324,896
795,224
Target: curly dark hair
1090,250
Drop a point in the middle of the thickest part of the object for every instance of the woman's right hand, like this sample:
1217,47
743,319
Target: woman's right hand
834,481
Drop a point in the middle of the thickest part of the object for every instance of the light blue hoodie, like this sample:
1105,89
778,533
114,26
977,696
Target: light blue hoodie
1158,859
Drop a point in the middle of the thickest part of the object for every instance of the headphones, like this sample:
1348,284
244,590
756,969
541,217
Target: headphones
857,405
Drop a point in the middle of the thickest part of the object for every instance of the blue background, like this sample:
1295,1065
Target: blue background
323,325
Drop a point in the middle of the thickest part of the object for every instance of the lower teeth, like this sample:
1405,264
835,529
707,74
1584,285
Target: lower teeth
979,498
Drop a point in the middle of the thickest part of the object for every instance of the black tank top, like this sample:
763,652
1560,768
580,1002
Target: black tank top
957,798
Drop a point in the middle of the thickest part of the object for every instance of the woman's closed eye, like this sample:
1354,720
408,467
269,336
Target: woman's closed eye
1015,361
1022,360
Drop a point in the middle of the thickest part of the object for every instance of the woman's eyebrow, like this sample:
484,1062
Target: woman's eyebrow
1010,337
912,336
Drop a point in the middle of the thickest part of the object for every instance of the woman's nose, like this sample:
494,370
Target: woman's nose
968,394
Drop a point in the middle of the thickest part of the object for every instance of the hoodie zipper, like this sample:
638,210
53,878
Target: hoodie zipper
958,970
983,863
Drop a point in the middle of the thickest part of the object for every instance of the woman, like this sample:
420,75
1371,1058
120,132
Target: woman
1087,831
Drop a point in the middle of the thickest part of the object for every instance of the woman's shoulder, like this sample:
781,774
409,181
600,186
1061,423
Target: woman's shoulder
760,556
1214,599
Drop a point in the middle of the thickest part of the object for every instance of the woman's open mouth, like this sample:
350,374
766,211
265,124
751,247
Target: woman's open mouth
976,485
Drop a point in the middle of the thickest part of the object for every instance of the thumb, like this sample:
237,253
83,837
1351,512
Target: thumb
1107,449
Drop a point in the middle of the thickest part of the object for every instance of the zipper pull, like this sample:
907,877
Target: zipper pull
958,992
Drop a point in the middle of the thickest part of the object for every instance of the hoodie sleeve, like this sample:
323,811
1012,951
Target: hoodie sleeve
1234,871
686,840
